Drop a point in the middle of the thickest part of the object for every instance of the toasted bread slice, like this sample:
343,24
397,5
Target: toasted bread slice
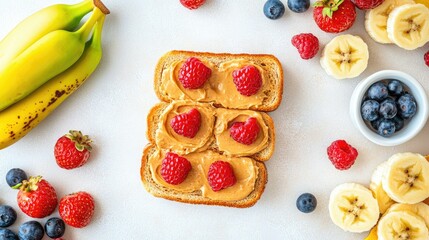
272,89
196,197
155,117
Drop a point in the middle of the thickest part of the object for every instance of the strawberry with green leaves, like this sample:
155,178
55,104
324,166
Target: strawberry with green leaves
334,16
72,150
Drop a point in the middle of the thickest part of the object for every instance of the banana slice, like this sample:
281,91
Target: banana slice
406,180
408,26
402,225
353,208
376,19
376,186
372,234
345,56
420,209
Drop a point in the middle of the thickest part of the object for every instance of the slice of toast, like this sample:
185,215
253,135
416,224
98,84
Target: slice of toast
270,94
155,118
196,197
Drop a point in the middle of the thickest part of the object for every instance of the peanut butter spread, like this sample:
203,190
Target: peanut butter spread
244,169
219,86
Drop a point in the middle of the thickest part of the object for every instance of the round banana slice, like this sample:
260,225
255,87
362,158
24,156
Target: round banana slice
402,225
408,26
353,208
420,209
406,180
376,19
345,56
376,186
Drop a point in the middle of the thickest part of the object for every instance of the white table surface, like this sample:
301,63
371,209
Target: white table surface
112,107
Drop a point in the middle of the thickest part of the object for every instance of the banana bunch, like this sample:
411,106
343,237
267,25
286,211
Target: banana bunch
43,60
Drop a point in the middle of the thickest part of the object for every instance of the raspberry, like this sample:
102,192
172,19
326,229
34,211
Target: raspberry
175,168
247,80
426,57
221,175
367,4
187,124
193,73
192,4
307,45
342,155
245,132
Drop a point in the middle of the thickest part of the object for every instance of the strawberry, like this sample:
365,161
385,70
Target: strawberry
367,4
247,80
77,209
220,175
192,4
245,132
193,73
187,124
72,150
174,168
37,198
334,16
426,58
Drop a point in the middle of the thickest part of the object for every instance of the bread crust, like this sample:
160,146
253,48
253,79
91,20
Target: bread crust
271,104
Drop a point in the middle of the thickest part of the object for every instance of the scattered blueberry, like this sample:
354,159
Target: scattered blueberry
306,203
298,6
55,227
369,110
15,176
386,127
395,87
7,216
6,234
388,108
378,91
407,106
274,9
31,230
399,123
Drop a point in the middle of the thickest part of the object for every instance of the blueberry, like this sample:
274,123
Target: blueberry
6,234
369,110
388,108
399,123
274,9
7,216
31,230
55,227
306,203
376,123
407,106
395,87
298,6
378,91
386,128
15,176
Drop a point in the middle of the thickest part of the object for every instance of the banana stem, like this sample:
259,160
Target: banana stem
86,29
96,37
101,6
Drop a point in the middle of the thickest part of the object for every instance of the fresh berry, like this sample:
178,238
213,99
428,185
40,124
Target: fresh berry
407,106
376,123
367,4
187,124
7,216
399,123
274,9
341,154
369,110
298,6
245,132
72,150
334,16
175,168
247,80
193,73
388,108
37,198
426,58
395,88
306,203
15,176
307,45
221,175
378,91
192,4
6,234
55,227
31,230
77,209
386,127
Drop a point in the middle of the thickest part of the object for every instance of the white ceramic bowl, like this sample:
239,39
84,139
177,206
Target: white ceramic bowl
411,129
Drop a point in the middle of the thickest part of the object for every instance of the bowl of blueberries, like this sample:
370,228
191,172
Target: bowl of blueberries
389,107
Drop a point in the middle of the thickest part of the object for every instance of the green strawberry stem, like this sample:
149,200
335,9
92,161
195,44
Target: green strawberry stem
30,184
329,6
81,141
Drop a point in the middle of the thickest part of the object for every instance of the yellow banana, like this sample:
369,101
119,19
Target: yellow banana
19,119
46,58
42,22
